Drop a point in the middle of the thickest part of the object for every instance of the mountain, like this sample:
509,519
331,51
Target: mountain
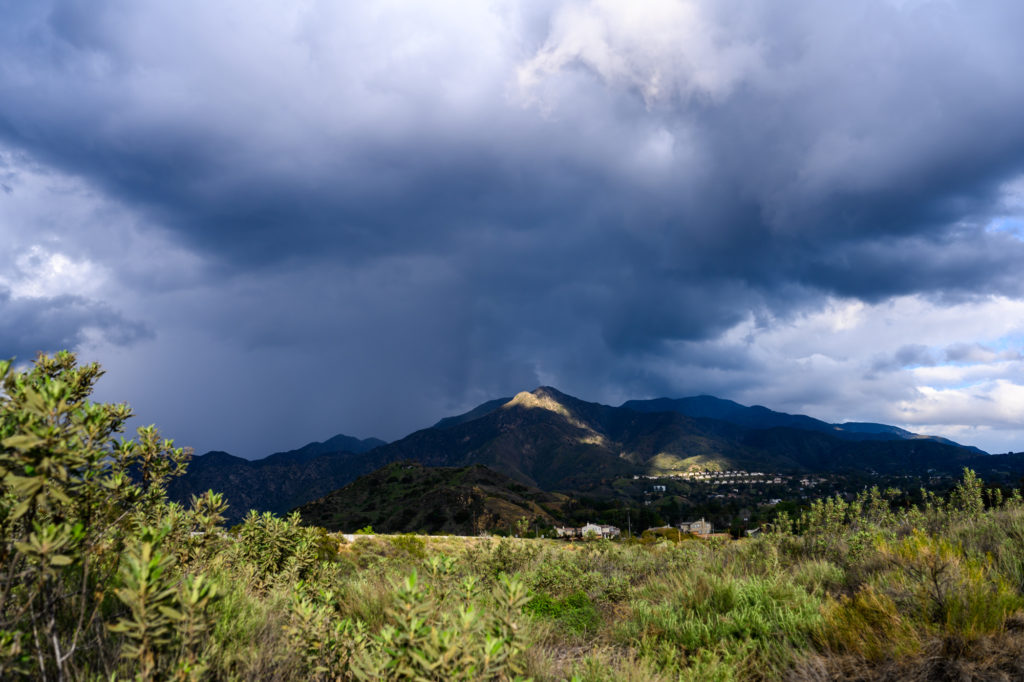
709,407
475,413
555,442
533,438
278,482
339,443
405,497
758,417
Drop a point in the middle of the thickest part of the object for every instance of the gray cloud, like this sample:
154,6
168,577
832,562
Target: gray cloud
906,356
470,200
48,324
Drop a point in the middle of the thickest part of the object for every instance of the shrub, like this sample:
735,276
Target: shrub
410,545
72,498
576,612
869,625
932,580
765,619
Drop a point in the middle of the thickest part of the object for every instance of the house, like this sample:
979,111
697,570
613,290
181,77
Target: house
567,532
701,527
600,530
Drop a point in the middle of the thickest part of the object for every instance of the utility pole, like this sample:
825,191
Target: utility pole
629,523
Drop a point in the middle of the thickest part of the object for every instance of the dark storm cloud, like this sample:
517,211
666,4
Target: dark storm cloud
48,324
559,203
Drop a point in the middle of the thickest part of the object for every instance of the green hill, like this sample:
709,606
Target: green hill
409,497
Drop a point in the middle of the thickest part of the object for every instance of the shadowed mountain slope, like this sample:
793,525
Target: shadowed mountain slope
278,482
407,497
477,412
556,442
758,417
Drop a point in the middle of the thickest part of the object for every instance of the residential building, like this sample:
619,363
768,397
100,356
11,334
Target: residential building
701,527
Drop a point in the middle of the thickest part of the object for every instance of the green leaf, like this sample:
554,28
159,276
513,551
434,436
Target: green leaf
22,442
19,510
173,614
61,560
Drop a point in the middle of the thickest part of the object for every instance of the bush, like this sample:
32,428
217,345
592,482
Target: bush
576,612
871,626
82,520
756,623
410,545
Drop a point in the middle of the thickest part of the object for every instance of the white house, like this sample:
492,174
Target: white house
600,531
701,527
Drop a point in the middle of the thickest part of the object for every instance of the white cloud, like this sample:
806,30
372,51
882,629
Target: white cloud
662,49
39,272
62,235
848,361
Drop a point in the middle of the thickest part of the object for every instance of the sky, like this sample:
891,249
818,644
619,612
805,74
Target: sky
272,222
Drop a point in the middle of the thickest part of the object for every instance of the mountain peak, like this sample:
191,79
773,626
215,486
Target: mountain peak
543,398
553,400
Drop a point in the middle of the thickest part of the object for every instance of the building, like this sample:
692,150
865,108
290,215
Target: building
701,527
600,531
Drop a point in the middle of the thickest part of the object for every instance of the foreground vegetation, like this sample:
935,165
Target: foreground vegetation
101,577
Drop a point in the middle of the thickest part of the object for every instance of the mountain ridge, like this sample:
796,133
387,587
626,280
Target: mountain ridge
557,442
278,482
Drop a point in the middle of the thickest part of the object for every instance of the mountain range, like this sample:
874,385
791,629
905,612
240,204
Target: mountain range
555,442
758,417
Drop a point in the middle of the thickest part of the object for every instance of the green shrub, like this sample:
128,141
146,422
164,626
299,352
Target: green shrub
72,498
869,625
410,545
576,612
767,620
933,580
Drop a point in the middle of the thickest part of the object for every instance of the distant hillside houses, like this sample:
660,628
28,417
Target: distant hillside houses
599,530
701,527
708,476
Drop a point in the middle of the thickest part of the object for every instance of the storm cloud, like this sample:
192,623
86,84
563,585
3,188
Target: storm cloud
35,324
360,218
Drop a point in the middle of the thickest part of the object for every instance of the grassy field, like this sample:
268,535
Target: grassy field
929,594
102,578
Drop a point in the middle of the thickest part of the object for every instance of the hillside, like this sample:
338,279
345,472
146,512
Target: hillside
409,497
758,417
276,483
